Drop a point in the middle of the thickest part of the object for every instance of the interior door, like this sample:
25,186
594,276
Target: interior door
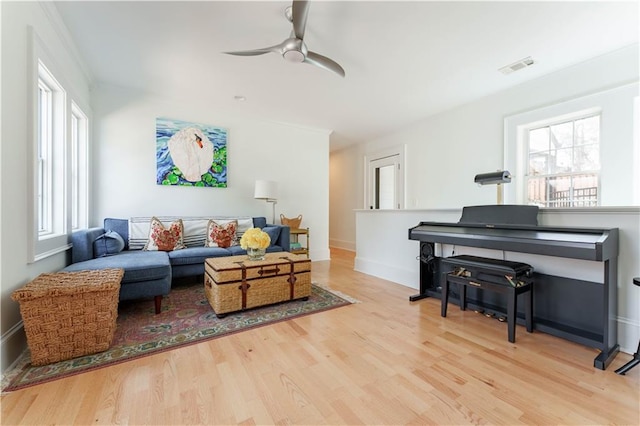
383,177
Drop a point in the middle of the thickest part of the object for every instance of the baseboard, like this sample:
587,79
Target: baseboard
12,344
342,244
628,335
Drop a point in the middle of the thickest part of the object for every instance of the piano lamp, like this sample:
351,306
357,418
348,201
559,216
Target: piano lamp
267,190
497,178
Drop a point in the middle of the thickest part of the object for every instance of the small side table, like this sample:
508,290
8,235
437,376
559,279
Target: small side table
636,357
295,233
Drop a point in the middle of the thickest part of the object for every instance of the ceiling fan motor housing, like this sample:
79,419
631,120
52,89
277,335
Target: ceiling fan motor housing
294,50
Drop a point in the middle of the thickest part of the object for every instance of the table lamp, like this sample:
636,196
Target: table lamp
498,178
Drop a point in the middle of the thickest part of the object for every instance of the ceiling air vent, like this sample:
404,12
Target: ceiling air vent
516,66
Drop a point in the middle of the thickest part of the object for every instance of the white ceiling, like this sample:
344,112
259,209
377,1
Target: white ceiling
404,61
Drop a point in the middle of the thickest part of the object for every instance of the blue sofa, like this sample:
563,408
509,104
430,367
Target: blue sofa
149,273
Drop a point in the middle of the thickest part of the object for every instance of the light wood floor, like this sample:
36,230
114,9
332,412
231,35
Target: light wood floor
382,361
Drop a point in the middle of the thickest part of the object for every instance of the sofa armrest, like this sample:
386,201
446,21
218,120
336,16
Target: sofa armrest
284,240
82,241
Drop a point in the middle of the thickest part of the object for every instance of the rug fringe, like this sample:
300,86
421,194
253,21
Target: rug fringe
336,292
14,370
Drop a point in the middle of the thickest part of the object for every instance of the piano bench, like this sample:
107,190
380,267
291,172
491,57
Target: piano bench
512,286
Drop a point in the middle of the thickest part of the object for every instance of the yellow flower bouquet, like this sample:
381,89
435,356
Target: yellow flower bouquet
255,241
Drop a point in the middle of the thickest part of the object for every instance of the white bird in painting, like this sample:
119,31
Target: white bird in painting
192,152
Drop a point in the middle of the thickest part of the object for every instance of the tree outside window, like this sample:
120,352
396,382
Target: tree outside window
564,164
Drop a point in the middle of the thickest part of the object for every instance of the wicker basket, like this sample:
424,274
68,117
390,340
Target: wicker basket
293,223
69,314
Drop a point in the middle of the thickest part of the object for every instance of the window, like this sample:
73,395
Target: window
564,163
45,108
50,154
79,138
58,154
603,170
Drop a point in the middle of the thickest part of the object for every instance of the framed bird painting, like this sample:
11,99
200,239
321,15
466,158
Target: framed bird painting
190,154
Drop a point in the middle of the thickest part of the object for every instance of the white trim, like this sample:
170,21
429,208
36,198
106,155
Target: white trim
592,210
9,334
636,150
628,331
49,9
342,244
52,252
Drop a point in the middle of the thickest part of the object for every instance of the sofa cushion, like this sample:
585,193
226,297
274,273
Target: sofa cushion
138,265
236,250
108,244
165,239
192,255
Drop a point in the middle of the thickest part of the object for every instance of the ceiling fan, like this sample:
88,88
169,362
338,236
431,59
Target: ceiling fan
294,49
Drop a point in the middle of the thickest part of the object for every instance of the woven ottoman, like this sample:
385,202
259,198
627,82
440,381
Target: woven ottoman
69,314
236,283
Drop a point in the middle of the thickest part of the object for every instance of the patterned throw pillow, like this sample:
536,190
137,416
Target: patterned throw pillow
221,235
162,239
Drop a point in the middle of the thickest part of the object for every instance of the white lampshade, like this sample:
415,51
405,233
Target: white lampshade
266,190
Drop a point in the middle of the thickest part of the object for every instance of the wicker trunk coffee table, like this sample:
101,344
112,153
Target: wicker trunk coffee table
236,283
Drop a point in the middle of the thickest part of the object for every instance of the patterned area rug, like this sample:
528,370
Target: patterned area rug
186,318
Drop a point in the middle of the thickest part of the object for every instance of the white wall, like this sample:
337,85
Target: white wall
346,188
16,17
445,151
124,164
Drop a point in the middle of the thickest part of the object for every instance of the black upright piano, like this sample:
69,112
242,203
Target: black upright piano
580,311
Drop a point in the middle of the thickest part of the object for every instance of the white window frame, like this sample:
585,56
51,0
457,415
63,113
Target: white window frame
615,105
43,152
79,141
49,194
571,118
51,156
64,199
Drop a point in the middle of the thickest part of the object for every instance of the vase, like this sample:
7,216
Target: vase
256,253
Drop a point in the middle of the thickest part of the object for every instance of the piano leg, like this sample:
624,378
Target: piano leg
418,297
605,357
511,314
444,299
428,272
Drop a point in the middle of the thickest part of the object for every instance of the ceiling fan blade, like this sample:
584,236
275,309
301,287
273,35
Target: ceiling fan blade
249,52
299,10
324,62
255,52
